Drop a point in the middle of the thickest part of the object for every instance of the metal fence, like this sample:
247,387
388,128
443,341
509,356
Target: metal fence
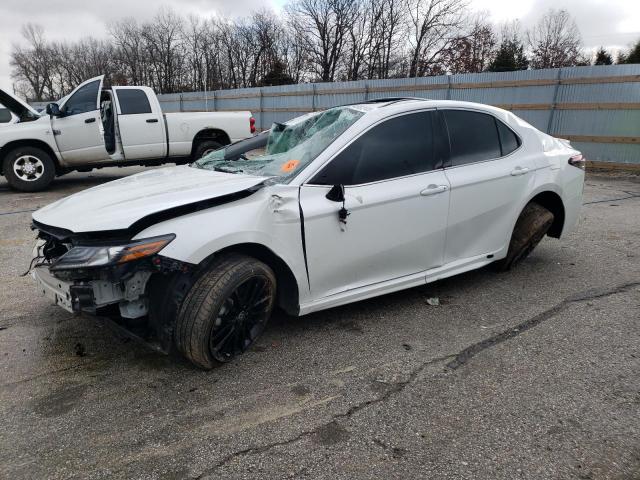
596,107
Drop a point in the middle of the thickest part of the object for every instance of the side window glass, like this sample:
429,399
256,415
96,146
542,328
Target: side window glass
473,136
84,100
400,146
509,141
133,101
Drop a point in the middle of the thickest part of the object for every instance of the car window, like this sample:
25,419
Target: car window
5,115
509,141
133,101
473,136
84,100
395,148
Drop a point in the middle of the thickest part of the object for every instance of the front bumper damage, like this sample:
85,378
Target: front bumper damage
91,295
121,288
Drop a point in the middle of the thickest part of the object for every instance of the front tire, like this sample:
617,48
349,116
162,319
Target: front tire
532,225
29,169
225,311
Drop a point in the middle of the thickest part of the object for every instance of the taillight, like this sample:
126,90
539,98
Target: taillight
578,161
252,125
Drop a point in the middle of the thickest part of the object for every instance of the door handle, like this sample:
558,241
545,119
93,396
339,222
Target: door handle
433,190
90,120
519,171
152,120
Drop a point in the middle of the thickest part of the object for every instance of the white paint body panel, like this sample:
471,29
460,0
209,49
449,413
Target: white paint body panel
394,238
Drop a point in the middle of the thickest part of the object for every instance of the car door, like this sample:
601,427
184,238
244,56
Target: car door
396,197
489,176
77,129
140,123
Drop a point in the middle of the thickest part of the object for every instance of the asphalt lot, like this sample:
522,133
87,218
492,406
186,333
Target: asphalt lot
533,373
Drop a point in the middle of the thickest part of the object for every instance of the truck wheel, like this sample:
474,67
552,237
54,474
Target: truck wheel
205,148
28,169
225,311
531,226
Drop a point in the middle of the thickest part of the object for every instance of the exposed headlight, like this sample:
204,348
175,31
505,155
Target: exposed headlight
107,255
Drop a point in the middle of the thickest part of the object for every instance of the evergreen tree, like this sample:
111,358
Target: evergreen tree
603,57
277,75
632,56
510,57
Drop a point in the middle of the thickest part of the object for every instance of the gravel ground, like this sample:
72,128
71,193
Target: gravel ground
533,373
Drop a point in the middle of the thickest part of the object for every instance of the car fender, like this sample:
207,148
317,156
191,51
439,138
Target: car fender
257,220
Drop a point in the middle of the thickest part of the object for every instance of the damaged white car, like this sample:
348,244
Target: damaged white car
337,206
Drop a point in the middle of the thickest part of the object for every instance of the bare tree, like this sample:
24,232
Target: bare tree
433,25
554,41
325,25
31,65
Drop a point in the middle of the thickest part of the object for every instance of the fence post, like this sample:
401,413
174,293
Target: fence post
213,100
313,97
448,87
181,106
259,127
366,91
554,101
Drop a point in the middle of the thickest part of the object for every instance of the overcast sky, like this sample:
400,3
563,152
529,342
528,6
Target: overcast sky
612,23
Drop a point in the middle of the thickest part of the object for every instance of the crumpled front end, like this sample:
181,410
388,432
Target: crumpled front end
81,273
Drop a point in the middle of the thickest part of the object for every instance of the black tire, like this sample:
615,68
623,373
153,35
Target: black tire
41,169
225,311
205,147
532,225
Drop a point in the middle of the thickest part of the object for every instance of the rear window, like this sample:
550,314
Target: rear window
473,136
133,101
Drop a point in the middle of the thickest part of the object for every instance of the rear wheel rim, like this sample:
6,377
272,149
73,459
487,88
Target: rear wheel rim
241,318
28,168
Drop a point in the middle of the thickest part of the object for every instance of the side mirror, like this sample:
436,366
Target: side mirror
53,110
336,194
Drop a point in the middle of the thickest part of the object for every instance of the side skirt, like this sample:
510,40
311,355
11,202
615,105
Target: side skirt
400,283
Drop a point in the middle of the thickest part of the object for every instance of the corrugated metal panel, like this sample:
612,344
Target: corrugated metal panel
531,100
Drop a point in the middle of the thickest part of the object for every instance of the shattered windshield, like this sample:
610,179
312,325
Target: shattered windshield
286,148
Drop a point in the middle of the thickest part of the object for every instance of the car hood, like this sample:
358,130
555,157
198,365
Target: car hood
21,109
119,204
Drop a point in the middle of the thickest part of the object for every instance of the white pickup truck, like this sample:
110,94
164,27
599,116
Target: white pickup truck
95,127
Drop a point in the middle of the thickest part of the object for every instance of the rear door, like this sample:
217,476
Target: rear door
77,130
397,197
140,123
489,175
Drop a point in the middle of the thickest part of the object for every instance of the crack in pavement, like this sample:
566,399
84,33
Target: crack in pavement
395,388
459,360
630,195
468,353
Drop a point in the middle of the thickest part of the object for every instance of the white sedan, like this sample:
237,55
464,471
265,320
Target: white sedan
336,206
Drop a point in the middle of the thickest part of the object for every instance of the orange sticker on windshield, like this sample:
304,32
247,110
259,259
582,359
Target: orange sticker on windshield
290,165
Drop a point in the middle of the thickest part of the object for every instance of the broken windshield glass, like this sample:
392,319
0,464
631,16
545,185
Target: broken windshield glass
286,148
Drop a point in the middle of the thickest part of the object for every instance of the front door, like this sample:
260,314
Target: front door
397,198
77,130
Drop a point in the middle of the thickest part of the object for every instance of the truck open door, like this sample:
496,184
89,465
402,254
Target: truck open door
140,123
77,127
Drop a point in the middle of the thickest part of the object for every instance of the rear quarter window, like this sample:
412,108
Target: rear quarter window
5,115
509,141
